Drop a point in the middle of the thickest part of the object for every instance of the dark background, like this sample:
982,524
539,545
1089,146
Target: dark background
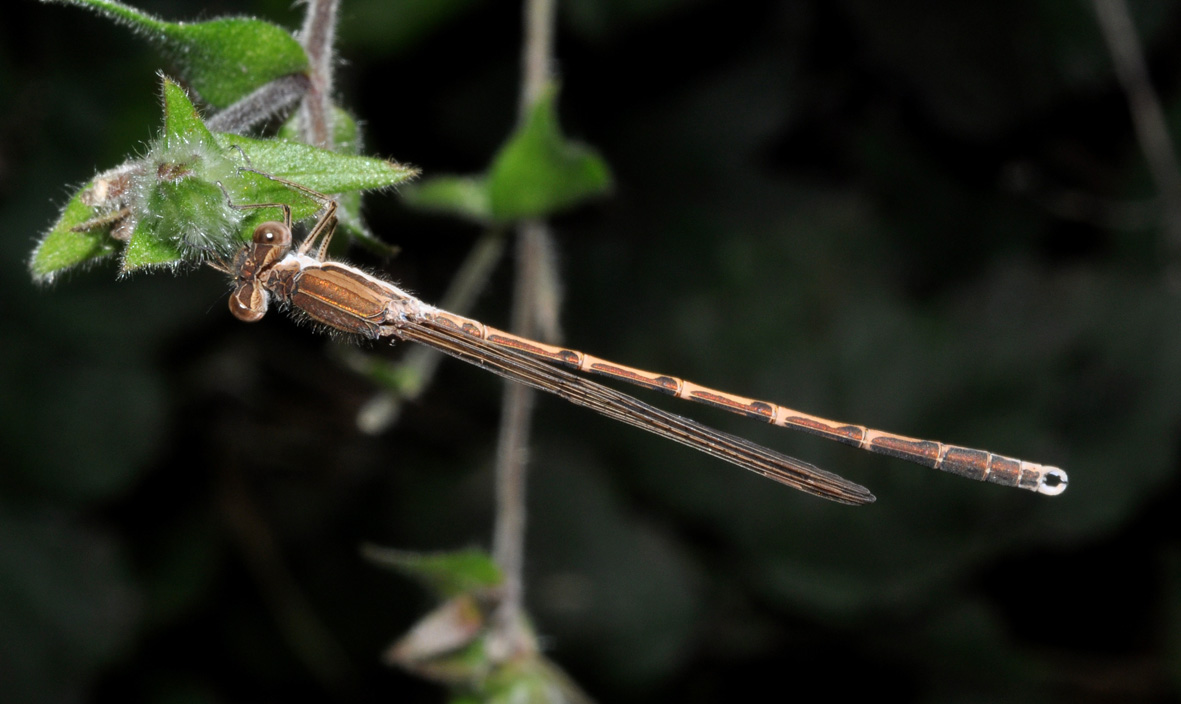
929,217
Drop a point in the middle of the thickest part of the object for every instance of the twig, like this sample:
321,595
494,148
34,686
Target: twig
532,303
263,104
307,636
537,63
508,545
1147,115
421,362
317,35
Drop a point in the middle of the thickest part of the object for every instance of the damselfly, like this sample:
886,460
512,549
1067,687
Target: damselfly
349,300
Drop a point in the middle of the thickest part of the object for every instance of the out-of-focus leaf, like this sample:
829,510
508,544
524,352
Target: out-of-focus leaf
463,196
451,645
461,669
539,172
445,645
534,680
448,574
223,59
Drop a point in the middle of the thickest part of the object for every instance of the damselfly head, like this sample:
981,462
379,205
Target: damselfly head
270,242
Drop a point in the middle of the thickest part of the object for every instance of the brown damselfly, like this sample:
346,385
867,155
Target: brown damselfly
349,300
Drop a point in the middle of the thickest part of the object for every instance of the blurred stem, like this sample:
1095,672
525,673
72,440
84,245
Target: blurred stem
537,59
508,546
535,299
420,363
1147,115
317,35
307,636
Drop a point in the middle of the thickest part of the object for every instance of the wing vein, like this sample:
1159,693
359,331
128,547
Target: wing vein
628,409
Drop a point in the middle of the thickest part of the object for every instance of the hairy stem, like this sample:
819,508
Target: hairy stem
534,299
261,105
317,35
537,63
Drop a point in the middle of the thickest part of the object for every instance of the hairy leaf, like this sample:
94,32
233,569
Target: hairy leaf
222,59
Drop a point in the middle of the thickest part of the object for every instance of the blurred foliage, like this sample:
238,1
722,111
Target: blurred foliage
537,173
898,214
453,644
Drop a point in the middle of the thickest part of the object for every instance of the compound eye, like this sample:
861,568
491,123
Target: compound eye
272,233
248,303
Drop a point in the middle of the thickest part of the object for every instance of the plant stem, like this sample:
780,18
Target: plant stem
534,299
1148,116
317,35
512,451
263,104
310,640
421,362
537,59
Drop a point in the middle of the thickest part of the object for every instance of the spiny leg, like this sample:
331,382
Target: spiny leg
324,228
283,207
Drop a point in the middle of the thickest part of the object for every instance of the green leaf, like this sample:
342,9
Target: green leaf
184,131
318,169
463,196
346,136
64,246
185,219
184,198
180,212
223,59
329,173
448,574
149,246
539,172
194,178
